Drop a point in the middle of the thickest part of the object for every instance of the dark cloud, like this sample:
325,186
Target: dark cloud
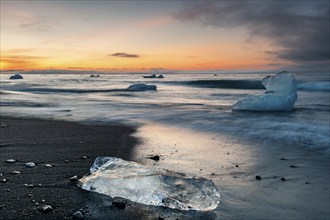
125,55
300,29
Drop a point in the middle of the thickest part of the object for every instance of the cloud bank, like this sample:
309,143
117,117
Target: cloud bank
299,29
125,55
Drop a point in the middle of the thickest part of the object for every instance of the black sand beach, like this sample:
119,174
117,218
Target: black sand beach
61,144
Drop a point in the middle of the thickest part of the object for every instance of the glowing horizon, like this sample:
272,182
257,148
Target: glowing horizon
139,35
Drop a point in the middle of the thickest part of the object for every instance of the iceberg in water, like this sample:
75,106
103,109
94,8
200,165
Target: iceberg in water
280,95
141,87
150,186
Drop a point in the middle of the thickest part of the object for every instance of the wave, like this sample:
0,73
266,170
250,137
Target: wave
53,90
314,86
228,84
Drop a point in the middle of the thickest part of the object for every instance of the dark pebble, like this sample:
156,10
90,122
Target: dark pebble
258,177
46,209
155,158
283,179
119,205
74,178
78,215
237,166
293,166
307,183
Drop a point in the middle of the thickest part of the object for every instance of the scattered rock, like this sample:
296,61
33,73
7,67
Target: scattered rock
78,215
74,178
30,186
30,165
7,190
4,180
237,166
67,161
16,76
36,203
84,157
16,172
11,161
46,209
155,158
119,205
1,207
3,125
29,195
43,201
258,177
48,165
283,179
39,184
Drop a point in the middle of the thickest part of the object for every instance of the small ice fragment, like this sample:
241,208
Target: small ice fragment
30,165
141,87
280,95
11,161
150,186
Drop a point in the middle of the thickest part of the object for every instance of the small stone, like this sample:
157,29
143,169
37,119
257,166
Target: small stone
67,161
293,166
8,190
283,158
48,165
30,165
16,172
30,186
119,205
84,157
43,201
78,215
1,207
40,185
283,179
36,203
33,201
3,125
237,166
4,180
11,161
46,209
307,183
258,177
155,158
74,178
29,195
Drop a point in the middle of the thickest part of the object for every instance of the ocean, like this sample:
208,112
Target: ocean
196,101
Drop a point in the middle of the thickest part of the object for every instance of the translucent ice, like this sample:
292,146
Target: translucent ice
280,95
150,186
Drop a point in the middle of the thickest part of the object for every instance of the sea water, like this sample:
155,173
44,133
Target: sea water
198,101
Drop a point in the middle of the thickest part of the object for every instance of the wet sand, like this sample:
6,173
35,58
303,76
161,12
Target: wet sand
294,181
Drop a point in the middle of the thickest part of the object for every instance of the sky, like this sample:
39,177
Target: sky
171,35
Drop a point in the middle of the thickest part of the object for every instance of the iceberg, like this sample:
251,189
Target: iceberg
280,95
116,177
16,76
141,87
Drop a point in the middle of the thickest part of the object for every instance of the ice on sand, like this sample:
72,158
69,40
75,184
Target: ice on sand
280,95
150,186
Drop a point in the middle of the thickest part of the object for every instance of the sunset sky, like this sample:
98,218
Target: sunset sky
174,35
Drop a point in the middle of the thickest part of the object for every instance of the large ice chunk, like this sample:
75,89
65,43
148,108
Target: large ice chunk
141,87
150,186
280,95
